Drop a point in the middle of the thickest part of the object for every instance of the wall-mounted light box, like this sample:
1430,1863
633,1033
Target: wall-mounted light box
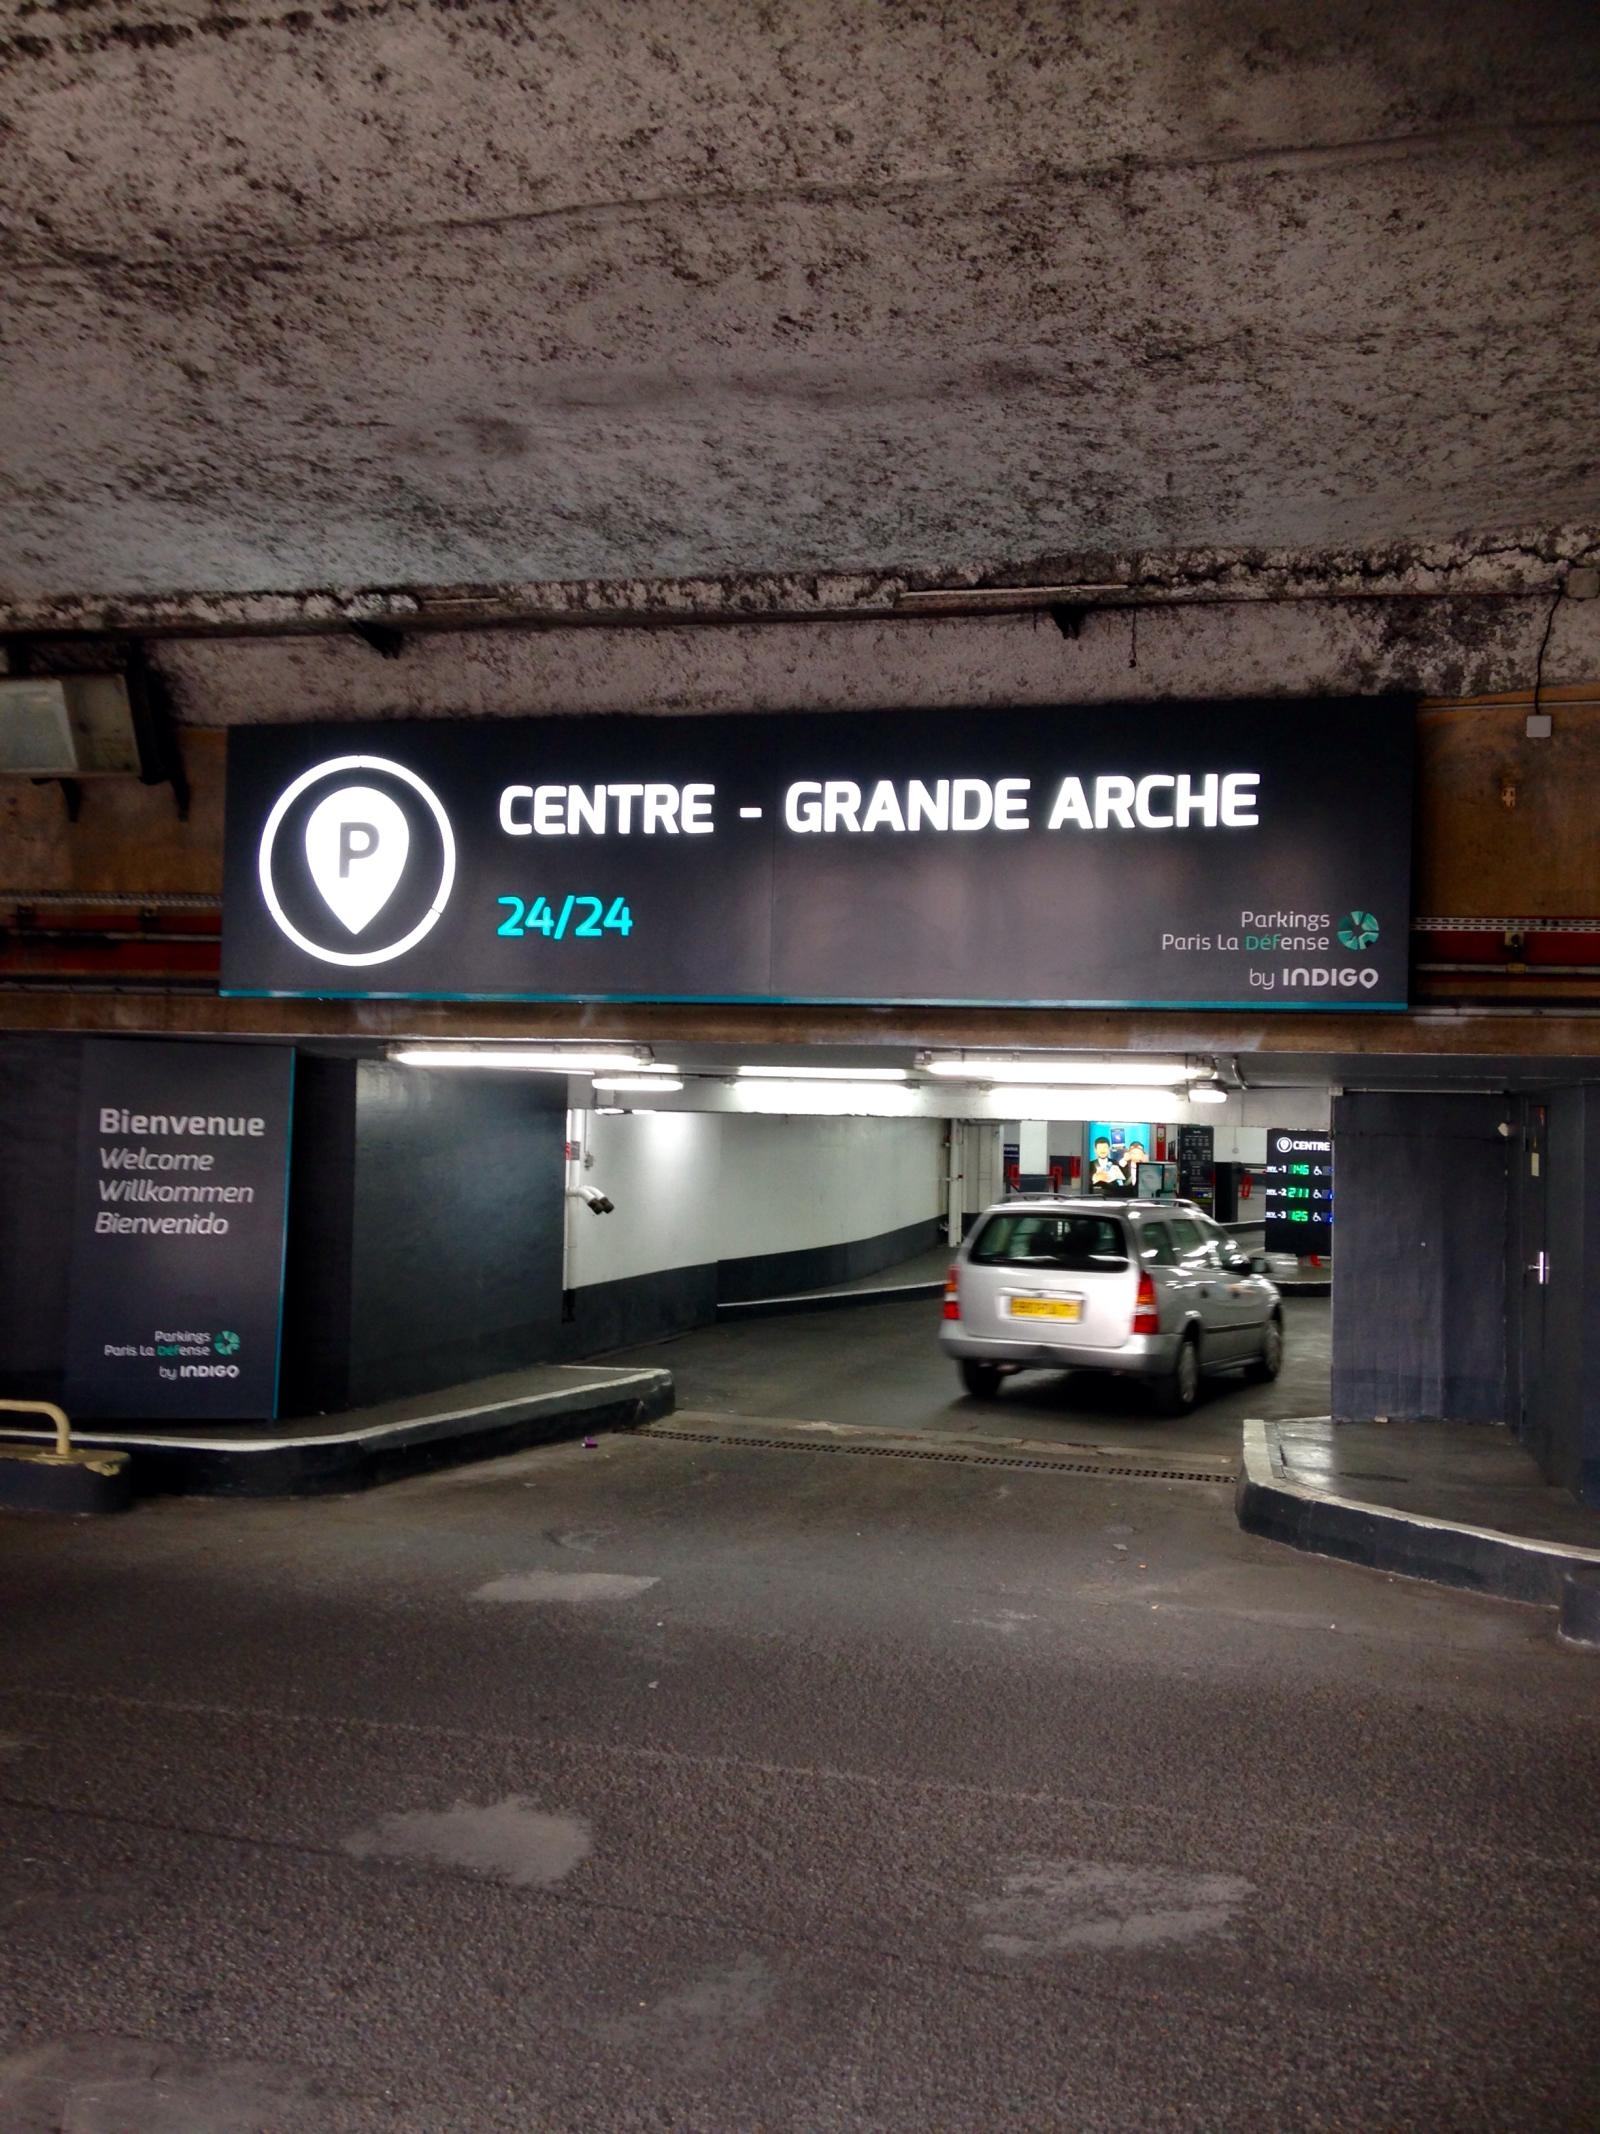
67,726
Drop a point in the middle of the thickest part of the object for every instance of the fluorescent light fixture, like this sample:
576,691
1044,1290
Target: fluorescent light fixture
827,1074
609,1111
1207,1093
1126,1073
520,1059
638,1081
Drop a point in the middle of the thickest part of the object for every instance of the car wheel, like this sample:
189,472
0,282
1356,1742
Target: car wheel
1270,1362
982,1380
1177,1393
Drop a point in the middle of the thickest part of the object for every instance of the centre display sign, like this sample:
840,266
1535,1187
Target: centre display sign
1156,855
1299,1209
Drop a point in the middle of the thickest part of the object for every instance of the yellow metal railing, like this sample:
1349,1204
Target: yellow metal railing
58,1416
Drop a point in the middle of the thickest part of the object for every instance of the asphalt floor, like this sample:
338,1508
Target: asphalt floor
887,1372
678,1784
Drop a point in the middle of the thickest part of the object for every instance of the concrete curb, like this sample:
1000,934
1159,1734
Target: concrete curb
274,1463
1580,1610
33,1480
1268,1501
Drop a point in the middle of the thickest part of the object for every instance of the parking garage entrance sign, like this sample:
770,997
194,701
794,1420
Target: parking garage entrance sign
1239,855
178,1230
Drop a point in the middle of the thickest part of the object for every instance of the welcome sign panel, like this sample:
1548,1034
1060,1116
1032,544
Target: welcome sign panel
178,1229
1217,855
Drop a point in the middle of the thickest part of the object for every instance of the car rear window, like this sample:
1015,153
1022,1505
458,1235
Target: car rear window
1078,1244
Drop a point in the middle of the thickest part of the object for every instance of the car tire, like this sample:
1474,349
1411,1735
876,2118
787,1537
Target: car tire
1270,1362
1177,1393
982,1380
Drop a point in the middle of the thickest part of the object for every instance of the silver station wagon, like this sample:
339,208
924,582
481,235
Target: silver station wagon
1149,1288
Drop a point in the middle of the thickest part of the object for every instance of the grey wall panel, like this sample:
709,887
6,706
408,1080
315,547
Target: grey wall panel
1566,1440
317,1264
456,1266
38,1160
1419,1295
425,1226
638,1308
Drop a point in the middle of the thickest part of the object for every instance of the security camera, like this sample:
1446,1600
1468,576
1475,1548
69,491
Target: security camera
594,1200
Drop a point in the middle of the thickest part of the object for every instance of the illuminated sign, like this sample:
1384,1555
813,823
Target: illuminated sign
1299,1210
1116,1150
1217,855
178,1230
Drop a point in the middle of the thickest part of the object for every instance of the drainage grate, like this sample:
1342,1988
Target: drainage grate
956,1459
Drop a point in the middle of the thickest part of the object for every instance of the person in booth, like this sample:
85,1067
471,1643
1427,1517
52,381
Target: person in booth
1132,1156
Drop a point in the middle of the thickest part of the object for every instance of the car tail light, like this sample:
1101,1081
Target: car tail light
1146,1314
952,1295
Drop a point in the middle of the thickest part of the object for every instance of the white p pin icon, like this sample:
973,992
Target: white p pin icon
356,845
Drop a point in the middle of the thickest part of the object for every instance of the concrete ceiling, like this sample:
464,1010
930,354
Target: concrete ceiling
429,293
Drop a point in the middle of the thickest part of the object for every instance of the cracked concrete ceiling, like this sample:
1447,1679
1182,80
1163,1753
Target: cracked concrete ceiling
431,293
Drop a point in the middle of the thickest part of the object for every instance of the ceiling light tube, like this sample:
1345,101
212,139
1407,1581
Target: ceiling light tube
1207,1093
521,1058
827,1074
1126,1074
638,1081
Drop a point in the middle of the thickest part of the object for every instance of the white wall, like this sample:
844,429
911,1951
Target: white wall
789,1183
982,1163
1033,1147
1242,1144
661,1169
695,1187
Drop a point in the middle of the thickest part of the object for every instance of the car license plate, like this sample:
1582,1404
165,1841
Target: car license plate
1046,1308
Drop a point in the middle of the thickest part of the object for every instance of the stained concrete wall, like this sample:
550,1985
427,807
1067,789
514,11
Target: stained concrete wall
444,294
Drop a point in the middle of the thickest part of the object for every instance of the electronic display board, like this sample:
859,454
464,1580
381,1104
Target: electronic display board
1299,1210
1197,1165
